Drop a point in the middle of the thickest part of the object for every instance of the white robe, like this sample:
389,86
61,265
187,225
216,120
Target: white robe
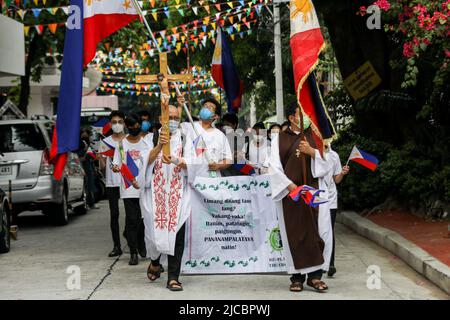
279,183
161,226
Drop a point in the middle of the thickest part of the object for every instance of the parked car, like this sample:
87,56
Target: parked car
33,185
5,239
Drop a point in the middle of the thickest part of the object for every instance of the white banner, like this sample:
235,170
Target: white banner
233,227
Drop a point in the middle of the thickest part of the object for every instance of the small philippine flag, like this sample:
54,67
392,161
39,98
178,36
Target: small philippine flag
363,158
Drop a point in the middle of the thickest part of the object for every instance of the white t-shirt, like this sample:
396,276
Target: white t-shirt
336,169
139,152
217,148
113,179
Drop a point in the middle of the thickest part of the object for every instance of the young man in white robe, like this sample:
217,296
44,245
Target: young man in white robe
305,231
165,202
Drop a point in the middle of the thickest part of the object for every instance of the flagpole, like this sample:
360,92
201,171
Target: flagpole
348,160
177,89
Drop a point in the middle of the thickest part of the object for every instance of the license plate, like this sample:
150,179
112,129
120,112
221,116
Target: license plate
5,170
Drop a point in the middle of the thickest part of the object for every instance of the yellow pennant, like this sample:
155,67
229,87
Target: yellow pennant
230,4
207,9
155,16
26,30
232,37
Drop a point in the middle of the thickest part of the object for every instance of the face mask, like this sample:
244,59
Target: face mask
117,128
306,122
134,131
258,138
173,125
145,126
226,128
205,114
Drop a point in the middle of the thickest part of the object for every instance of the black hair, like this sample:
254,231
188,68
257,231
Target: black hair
212,100
116,113
259,125
274,126
144,113
286,123
231,118
156,126
132,119
291,109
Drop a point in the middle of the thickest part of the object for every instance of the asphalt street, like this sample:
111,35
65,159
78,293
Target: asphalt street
45,260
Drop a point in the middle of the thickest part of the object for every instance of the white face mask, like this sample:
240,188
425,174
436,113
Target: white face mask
226,128
259,138
117,128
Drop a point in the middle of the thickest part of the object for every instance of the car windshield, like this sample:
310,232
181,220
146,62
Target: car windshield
21,137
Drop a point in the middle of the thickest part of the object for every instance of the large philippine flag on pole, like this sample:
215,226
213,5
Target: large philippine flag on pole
306,44
225,74
89,22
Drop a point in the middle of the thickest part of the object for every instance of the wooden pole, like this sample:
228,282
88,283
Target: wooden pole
139,11
303,159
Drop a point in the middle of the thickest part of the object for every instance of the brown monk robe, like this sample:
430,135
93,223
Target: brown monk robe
301,229
301,220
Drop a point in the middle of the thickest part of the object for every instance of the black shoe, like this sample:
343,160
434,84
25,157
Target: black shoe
134,259
115,252
331,271
143,252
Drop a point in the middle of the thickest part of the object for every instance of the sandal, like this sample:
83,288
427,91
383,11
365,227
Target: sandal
174,285
317,284
296,287
153,272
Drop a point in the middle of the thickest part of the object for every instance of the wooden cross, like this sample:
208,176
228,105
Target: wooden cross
163,79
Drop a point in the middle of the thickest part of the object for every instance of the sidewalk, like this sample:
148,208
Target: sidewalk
422,245
430,236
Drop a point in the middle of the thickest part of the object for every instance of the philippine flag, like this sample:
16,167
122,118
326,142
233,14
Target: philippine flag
103,126
363,158
129,170
225,74
306,44
310,195
199,145
90,152
107,150
245,168
100,19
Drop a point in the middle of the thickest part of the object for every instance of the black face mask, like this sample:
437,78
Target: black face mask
134,131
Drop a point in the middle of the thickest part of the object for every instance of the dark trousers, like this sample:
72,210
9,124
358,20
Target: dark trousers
174,262
88,166
333,213
113,194
134,224
298,277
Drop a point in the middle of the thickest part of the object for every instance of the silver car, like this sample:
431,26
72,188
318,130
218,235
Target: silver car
26,144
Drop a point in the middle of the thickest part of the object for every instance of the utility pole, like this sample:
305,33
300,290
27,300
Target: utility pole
278,63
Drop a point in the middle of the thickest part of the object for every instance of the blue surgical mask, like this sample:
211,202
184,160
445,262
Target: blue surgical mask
205,114
145,126
173,125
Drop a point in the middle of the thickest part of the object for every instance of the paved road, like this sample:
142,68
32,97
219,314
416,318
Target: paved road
36,269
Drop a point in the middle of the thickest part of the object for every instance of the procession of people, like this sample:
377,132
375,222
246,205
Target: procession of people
156,187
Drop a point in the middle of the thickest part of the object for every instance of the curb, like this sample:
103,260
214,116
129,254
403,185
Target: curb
421,261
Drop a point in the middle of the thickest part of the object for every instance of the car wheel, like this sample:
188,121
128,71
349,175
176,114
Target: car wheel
5,238
82,209
61,213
